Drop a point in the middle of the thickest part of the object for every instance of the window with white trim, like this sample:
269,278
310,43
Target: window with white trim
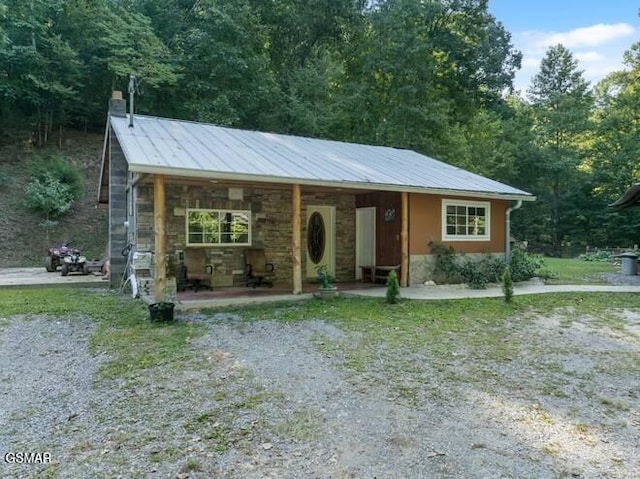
218,227
466,220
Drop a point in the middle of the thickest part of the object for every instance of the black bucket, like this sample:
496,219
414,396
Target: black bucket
161,311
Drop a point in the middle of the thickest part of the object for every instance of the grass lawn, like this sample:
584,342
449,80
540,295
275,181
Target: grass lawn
576,271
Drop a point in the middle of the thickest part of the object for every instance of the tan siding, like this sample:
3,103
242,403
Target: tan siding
425,220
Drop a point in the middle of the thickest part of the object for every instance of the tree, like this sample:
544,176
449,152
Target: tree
615,150
561,104
49,197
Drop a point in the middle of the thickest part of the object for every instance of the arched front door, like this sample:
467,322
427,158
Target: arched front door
321,238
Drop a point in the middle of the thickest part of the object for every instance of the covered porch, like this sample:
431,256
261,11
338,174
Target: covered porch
298,226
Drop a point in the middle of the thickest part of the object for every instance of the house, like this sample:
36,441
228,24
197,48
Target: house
174,186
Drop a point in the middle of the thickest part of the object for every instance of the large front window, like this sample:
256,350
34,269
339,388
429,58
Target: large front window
218,227
465,220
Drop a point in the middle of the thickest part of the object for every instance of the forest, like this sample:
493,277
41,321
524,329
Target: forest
435,76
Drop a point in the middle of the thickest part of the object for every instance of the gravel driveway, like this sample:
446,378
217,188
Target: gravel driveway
267,399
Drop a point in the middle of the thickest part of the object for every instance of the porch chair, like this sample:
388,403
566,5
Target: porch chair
194,273
257,270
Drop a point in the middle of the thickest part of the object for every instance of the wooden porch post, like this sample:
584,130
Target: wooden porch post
297,234
404,240
160,245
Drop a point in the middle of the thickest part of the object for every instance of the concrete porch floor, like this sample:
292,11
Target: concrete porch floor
241,295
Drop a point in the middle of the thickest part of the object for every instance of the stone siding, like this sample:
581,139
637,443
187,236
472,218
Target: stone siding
422,266
118,172
271,218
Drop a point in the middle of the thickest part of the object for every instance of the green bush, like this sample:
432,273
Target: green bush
478,273
393,289
604,256
507,285
48,196
524,266
446,269
59,168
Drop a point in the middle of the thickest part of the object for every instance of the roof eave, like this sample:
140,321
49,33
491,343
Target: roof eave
238,177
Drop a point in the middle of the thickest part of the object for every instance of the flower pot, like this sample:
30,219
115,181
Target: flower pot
327,293
161,311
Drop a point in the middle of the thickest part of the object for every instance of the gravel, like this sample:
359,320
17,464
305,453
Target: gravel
267,399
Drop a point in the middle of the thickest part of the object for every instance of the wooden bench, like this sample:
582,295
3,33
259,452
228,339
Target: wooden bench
375,273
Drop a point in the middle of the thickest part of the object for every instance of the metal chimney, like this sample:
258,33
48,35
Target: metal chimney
132,92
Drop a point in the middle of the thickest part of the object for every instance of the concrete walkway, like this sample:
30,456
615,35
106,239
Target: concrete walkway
462,291
34,277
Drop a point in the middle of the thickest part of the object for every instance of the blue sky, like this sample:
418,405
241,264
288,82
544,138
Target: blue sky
597,32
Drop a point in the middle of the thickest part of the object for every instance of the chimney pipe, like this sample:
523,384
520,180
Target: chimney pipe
132,92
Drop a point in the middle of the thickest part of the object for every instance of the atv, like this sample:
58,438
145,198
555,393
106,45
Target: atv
74,262
55,256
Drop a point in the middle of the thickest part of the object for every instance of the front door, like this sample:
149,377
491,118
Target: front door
321,238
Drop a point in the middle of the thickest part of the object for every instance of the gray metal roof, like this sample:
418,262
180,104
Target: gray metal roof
183,148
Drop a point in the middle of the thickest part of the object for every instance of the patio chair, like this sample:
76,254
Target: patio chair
257,270
194,273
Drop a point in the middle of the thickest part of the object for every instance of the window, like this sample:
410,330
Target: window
465,220
218,227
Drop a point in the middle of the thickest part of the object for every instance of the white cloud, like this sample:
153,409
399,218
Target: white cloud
592,36
598,48
589,57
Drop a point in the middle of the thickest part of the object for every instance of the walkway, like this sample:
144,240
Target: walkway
34,277
462,291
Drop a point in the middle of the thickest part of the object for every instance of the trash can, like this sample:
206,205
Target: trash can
629,263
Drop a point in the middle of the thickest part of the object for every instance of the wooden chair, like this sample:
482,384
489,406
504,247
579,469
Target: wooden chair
257,270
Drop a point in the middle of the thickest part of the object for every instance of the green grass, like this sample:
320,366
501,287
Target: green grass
123,333
445,335
576,271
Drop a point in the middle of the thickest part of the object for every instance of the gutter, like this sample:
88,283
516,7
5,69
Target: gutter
507,231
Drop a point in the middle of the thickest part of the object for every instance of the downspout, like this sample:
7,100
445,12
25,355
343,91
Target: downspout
507,231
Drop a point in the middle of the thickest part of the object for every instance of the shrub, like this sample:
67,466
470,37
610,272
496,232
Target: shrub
58,167
393,289
604,256
48,196
524,266
478,273
507,285
446,268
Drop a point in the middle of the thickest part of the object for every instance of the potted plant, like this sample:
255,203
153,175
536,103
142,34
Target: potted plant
163,310
326,288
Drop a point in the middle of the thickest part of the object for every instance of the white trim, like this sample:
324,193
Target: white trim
217,210
468,204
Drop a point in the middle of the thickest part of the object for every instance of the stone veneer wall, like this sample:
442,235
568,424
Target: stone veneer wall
421,266
271,227
118,172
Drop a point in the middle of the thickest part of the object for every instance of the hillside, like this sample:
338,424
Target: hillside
22,237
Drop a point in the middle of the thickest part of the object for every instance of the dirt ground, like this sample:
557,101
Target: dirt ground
267,399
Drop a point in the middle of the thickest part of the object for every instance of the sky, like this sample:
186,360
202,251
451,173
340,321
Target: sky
597,32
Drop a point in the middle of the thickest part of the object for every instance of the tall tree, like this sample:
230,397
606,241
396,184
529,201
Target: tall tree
561,105
614,154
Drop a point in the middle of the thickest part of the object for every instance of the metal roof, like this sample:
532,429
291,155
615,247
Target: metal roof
184,148
630,198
